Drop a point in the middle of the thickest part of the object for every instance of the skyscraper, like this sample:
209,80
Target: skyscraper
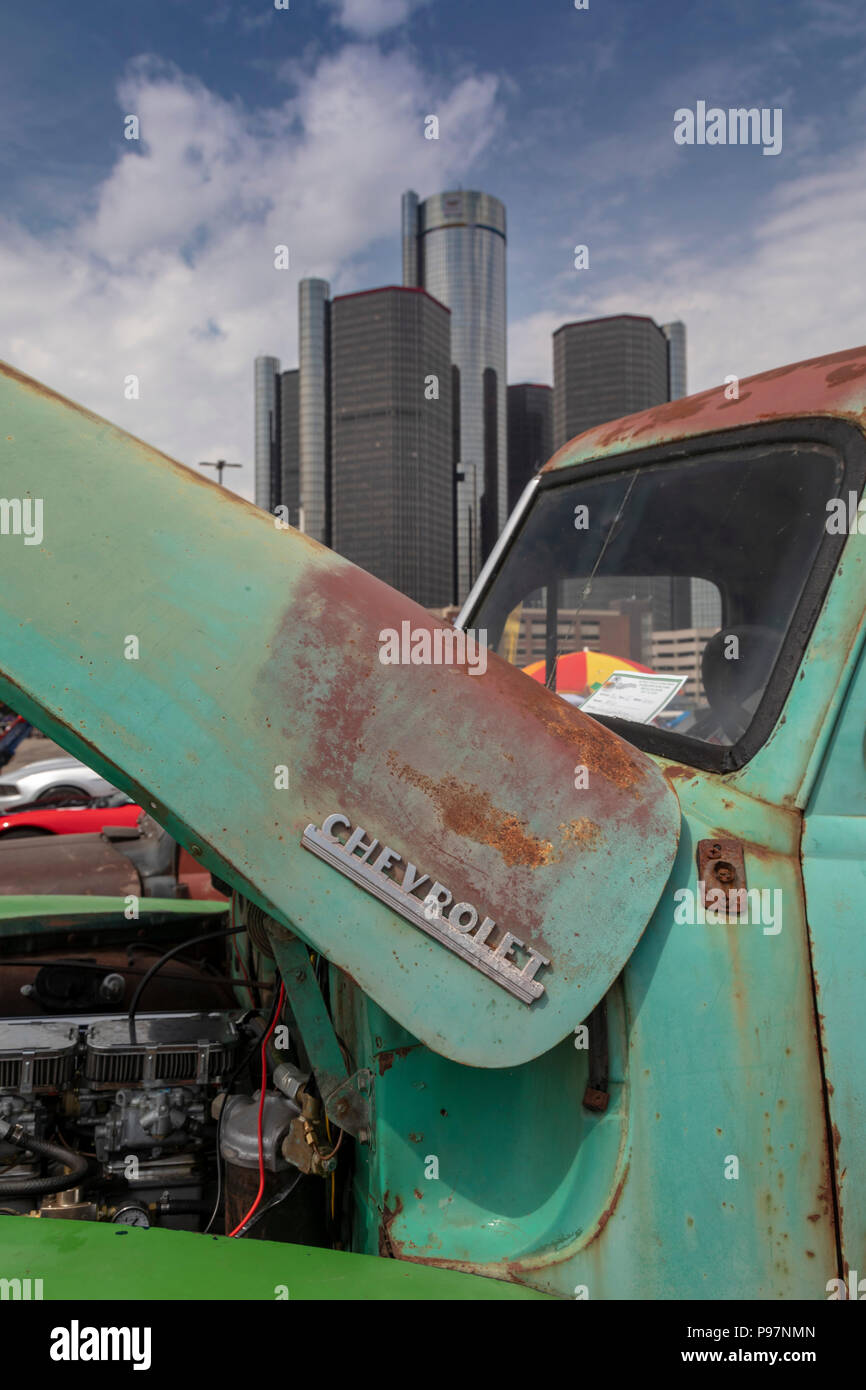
391,465
289,490
677,375
314,406
358,441
267,429
605,368
454,247
530,435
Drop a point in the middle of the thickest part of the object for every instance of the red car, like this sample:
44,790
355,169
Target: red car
66,820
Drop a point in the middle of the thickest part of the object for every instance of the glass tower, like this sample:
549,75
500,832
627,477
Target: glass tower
267,421
391,469
313,402
454,247
676,336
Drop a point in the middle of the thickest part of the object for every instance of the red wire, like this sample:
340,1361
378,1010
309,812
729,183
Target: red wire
266,1040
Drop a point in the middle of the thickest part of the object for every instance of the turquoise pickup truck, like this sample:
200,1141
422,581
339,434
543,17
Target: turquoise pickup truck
526,989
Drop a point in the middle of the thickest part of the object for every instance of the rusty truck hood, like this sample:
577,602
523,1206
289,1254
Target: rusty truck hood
226,673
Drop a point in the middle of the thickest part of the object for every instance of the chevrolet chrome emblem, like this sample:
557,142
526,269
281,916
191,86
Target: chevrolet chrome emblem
459,931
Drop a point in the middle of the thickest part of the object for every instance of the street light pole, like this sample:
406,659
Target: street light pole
219,466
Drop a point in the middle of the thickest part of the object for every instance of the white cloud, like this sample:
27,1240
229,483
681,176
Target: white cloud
170,274
788,288
370,17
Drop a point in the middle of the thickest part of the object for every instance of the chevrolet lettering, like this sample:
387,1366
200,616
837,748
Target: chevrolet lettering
460,930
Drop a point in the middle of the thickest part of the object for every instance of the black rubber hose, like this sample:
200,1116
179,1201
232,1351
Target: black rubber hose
157,965
34,1187
180,1206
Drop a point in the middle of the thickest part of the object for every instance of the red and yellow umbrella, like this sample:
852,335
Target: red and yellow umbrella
580,673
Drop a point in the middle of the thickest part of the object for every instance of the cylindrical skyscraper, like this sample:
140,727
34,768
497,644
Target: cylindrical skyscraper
267,442
313,405
461,262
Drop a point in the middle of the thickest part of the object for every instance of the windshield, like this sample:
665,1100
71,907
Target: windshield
662,595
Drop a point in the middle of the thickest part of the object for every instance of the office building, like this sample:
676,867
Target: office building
267,429
357,441
680,652
530,435
314,406
289,490
454,246
677,375
277,473
605,368
391,464
524,639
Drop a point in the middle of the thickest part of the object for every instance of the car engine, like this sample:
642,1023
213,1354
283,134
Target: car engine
139,1106
107,1119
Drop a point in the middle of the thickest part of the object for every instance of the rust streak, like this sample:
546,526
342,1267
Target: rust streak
598,751
388,1248
468,811
610,1208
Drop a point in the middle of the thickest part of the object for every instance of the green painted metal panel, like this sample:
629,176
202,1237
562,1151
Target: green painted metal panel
713,1055
258,650
87,1260
834,872
82,908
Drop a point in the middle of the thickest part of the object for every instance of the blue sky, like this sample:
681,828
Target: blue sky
259,126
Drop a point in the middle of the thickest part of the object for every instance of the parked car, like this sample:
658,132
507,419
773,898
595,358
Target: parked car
61,781
70,820
135,856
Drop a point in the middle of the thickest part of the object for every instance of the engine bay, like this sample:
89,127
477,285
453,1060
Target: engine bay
132,1078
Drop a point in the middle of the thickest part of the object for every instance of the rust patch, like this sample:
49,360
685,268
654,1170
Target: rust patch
840,375
386,1059
610,1208
677,773
387,1246
583,832
599,751
837,1140
468,811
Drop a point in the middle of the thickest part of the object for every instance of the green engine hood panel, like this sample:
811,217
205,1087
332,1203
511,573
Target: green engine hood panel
79,1261
227,674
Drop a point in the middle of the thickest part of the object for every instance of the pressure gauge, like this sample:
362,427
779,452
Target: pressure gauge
131,1216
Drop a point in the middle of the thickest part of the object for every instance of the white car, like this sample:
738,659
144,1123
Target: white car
62,781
